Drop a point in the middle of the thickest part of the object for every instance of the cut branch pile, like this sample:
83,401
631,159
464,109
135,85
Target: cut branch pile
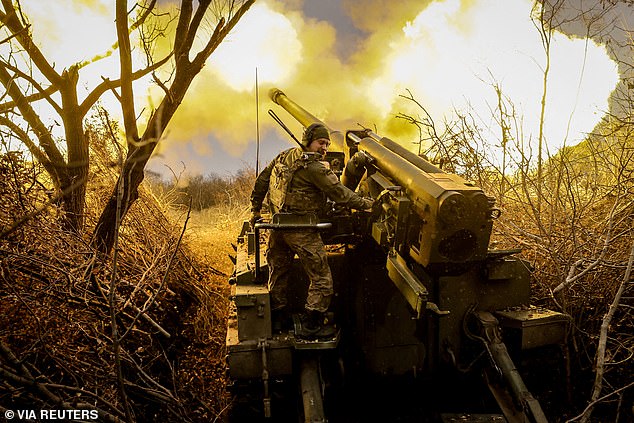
58,349
581,263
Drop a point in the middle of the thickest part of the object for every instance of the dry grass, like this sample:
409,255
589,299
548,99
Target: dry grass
56,331
212,231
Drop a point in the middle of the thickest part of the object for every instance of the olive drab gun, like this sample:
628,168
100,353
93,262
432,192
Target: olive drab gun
418,289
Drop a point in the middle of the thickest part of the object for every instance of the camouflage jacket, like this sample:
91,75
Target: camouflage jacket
297,182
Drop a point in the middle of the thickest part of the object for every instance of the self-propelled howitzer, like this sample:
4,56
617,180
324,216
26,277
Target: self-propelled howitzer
417,292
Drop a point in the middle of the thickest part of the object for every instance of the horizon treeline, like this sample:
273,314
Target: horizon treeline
203,191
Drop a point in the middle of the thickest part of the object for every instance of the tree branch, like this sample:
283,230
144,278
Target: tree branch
192,30
182,29
221,32
598,400
40,156
142,18
26,379
15,26
125,60
110,84
113,293
572,276
22,220
603,338
163,280
32,118
42,94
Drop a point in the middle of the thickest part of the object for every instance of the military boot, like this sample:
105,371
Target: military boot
315,325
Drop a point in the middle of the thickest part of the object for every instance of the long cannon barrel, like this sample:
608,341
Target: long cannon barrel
404,173
414,159
304,117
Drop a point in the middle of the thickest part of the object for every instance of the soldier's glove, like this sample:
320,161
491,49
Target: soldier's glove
369,204
376,209
255,218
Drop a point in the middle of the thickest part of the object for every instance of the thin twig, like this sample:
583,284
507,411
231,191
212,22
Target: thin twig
26,379
572,275
164,279
22,220
111,301
598,400
603,338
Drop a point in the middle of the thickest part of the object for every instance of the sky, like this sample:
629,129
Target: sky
348,62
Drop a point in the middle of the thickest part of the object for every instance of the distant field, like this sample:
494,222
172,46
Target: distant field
210,233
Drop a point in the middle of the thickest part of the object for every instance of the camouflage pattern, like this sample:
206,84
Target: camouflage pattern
283,245
311,183
297,182
282,175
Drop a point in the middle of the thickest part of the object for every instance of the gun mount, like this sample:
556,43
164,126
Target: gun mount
418,290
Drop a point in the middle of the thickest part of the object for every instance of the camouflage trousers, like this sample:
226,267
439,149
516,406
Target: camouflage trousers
283,245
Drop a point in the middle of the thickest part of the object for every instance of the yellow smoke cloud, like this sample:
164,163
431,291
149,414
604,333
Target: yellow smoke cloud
448,53
72,31
382,16
451,53
264,39
222,99
289,51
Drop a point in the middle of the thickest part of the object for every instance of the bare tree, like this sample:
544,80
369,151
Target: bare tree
69,169
69,174
186,69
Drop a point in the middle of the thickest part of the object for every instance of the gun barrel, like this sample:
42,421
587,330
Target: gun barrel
401,170
459,213
305,117
414,159
298,112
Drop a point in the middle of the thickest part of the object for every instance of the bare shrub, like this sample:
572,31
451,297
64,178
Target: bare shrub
61,302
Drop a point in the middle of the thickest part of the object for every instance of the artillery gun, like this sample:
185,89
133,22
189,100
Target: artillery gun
419,297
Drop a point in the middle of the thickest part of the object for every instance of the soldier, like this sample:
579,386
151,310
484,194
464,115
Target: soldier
299,183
